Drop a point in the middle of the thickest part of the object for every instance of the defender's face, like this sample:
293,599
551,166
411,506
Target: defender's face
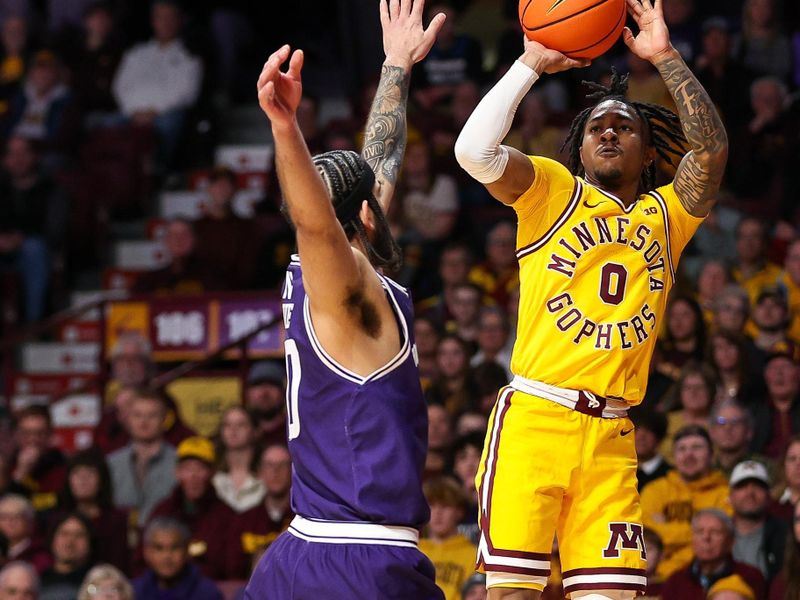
614,149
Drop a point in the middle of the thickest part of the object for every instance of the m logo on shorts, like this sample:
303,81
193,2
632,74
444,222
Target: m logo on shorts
627,534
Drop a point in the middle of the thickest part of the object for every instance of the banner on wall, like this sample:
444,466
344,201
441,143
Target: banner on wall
183,328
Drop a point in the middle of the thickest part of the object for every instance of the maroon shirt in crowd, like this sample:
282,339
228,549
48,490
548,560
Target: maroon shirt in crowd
686,584
214,546
255,530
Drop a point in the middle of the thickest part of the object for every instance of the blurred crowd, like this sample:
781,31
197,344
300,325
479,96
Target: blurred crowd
183,516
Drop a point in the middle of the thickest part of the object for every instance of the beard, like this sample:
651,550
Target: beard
608,176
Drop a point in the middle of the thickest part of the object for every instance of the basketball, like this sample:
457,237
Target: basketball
577,28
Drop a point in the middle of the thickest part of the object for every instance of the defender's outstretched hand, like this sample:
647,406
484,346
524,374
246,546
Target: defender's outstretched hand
279,93
653,36
405,40
544,60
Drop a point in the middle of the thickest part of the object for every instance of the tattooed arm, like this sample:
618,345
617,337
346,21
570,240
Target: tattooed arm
699,175
405,42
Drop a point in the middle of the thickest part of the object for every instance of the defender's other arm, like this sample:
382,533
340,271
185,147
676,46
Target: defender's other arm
329,264
405,42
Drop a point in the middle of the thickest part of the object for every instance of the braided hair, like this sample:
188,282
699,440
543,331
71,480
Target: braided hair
662,127
349,180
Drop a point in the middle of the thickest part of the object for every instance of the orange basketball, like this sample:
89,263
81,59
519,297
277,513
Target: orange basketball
578,28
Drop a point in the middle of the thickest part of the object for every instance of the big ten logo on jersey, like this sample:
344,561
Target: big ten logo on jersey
625,536
287,307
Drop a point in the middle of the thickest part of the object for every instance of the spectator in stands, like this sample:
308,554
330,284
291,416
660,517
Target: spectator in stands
790,280
453,387
170,574
790,494
428,200
732,587
130,360
111,432
19,581
777,417
753,271
195,503
264,398
668,503
729,355
493,336
32,222
219,224
466,459
760,539
731,430
158,81
72,547
498,274
487,379
455,262
684,30
93,62
18,525
474,588
651,429
720,74
14,42
440,437
143,471
261,525
534,133
465,309
731,309
787,584
758,159
454,58
237,460
105,582
684,339
761,47
655,550
427,337
451,553
693,395
37,467
88,492
712,536
45,110
186,273
771,320
711,280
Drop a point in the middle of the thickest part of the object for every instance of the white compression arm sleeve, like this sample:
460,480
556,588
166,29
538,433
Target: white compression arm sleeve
478,148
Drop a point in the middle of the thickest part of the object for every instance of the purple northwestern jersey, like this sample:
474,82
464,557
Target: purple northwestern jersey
358,444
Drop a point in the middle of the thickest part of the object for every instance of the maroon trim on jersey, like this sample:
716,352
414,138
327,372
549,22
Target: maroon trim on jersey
489,472
605,585
577,192
636,587
660,199
604,571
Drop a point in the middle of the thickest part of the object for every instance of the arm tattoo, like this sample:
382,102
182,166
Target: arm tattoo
699,175
385,136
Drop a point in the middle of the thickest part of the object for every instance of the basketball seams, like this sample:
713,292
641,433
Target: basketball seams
557,21
605,37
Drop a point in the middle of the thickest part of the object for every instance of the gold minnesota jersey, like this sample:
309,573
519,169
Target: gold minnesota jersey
594,279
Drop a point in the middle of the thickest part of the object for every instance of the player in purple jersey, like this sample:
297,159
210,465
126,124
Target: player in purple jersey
357,421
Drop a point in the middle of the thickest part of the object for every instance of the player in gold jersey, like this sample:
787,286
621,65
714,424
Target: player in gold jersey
598,245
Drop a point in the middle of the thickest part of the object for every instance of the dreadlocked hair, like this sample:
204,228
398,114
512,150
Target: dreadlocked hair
662,125
341,171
